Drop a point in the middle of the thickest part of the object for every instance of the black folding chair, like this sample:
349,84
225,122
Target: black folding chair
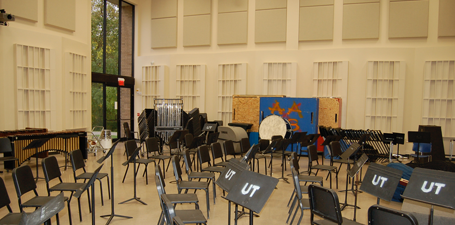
24,182
217,153
187,185
77,162
204,157
186,216
313,157
52,171
325,204
301,202
10,218
130,147
153,147
210,176
380,215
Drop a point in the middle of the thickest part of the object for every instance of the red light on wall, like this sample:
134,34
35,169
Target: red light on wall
121,81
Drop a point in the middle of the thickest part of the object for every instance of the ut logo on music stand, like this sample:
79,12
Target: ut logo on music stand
381,181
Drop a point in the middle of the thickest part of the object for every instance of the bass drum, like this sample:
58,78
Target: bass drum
274,125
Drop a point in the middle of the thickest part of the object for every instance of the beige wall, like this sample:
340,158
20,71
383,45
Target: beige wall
414,51
28,32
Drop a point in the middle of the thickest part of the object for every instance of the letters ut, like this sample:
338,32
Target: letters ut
252,186
229,174
427,190
380,179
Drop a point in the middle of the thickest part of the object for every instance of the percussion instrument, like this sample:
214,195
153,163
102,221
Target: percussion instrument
274,125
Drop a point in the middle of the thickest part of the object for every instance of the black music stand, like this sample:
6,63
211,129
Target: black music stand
252,190
90,182
399,140
352,173
296,136
109,153
270,149
381,181
37,143
306,140
44,213
419,137
284,145
228,178
434,187
132,159
351,151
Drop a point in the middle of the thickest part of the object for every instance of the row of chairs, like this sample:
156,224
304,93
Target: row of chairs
24,183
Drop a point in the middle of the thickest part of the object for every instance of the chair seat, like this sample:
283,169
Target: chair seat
193,185
224,164
324,167
67,187
305,203
213,169
304,190
191,216
8,158
89,175
11,218
144,161
343,161
38,201
328,222
203,175
182,198
261,156
310,178
160,157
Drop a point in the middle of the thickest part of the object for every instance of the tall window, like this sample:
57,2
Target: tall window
112,56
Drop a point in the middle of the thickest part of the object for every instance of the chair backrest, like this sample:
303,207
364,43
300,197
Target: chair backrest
126,129
245,144
51,169
77,160
178,221
217,152
130,147
421,147
380,215
203,154
188,162
295,162
295,179
189,139
229,148
276,137
160,177
336,148
177,169
312,154
4,198
212,137
324,203
168,209
23,180
263,144
152,144
159,186
5,145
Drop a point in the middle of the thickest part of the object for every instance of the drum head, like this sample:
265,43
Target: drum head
273,125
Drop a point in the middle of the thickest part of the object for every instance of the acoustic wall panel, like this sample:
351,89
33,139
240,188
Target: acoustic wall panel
27,9
361,21
232,6
197,7
316,23
60,13
270,26
315,2
231,81
270,4
153,84
164,33
446,26
408,19
233,28
163,8
196,30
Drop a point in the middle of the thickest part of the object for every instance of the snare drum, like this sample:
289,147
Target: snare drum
274,125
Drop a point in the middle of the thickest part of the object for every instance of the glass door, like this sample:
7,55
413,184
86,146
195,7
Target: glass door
105,108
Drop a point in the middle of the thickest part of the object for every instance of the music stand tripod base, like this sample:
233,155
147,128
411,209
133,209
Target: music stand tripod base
132,159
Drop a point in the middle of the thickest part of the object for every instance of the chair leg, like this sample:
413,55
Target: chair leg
214,190
89,205
101,192
126,171
79,206
292,195
208,202
69,212
108,187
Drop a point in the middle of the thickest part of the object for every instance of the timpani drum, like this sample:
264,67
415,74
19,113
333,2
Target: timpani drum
274,125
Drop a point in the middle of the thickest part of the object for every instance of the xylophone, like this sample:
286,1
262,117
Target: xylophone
61,141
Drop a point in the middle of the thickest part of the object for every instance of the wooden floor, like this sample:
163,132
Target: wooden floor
274,212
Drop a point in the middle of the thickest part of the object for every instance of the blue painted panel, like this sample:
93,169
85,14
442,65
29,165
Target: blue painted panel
302,113
254,138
